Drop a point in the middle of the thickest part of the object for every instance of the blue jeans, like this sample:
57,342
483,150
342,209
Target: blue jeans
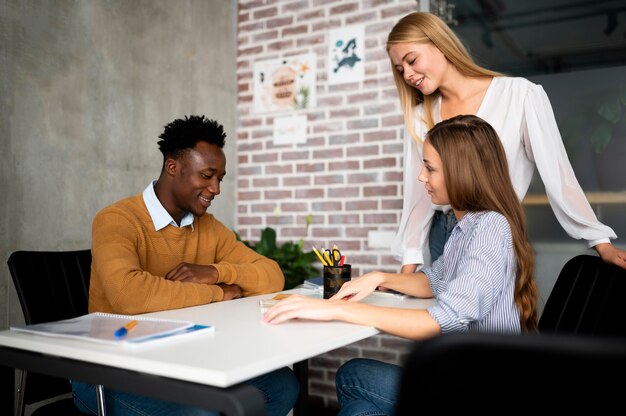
280,389
367,387
440,230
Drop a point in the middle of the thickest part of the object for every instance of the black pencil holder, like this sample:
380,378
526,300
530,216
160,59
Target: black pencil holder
334,278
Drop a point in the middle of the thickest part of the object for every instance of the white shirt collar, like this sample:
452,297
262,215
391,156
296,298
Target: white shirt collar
159,215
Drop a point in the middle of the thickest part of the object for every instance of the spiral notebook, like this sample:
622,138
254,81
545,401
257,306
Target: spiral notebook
102,327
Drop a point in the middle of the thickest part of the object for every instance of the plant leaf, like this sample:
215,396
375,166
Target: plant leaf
611,109
600,137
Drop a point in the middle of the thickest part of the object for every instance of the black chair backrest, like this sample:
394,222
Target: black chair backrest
587,298
51,285
500,374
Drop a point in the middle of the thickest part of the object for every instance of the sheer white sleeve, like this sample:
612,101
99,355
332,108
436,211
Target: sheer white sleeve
543,144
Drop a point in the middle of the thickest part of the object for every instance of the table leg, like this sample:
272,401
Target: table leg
301,370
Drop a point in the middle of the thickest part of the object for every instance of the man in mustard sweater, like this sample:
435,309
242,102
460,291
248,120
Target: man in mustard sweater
161,250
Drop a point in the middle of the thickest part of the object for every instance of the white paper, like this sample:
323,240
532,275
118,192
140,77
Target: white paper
101,327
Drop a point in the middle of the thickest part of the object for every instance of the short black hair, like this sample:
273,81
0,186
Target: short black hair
183,134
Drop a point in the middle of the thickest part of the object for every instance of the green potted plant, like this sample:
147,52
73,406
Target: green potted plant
295,262
601,119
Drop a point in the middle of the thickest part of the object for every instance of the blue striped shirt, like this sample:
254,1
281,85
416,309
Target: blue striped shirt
474,279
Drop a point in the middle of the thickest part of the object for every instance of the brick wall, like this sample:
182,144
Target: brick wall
348,174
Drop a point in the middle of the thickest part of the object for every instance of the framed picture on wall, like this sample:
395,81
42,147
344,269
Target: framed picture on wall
345,61
285,84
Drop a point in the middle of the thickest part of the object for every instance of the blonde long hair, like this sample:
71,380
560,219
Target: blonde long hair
423,28
477,179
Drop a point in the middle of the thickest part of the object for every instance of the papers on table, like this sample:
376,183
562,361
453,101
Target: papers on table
101,327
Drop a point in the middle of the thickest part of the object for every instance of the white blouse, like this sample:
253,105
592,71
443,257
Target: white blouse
521,114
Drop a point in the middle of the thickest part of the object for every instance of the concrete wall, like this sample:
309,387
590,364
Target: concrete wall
85,89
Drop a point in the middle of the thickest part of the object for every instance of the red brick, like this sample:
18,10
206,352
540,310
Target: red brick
311,15
243,87
343,192
386,162
309,193
250,5
265,182
260,37
277,194
326,206
295,30
393,121
325,232
265,157
249,147
261,134
297,181
250,51
393,148
363,151
369,123
269,12
344,8
343,165
251,27
365,205
356,232
362,97
248,195
379,108
343,138
328,179
310,40
293,206
278,169
279,46
396,12
370,177
248,220
344,113
364,17
309,167
329,101
296,155
393,176
379,218
341,219
392,204
326,25
279,22
249,170
264,207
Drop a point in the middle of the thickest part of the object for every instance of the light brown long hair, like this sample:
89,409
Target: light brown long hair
477,179
423,28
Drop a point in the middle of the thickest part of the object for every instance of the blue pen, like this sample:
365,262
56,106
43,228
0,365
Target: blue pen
124,330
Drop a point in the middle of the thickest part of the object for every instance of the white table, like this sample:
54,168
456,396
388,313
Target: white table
242,347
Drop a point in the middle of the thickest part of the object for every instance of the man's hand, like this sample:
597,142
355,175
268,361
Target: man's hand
231,291
193,273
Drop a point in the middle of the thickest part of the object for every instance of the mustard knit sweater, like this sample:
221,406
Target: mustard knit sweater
130,260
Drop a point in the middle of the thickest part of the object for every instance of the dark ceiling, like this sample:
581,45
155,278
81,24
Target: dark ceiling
527,37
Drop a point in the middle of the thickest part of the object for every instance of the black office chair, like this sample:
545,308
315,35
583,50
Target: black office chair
500,374
587,298
50,286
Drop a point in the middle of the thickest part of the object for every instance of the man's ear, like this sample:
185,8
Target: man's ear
171,167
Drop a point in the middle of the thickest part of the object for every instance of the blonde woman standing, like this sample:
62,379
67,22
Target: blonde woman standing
437,79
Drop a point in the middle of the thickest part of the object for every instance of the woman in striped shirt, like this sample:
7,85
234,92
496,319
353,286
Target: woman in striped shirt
483,281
